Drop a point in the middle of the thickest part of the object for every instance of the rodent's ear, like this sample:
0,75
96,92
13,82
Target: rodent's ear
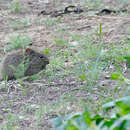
28,50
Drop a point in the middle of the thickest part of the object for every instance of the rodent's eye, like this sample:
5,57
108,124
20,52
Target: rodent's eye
41,57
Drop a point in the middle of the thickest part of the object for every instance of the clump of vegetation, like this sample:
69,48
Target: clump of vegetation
20,69
49,21
94,4
16,24
15,6
18,41
115,115
119,119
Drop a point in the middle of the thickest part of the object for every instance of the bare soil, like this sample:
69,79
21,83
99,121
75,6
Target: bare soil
24,100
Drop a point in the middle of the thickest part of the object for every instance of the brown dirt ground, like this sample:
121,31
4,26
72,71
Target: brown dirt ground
18,101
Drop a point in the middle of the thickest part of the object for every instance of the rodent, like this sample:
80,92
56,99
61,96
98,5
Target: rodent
35,62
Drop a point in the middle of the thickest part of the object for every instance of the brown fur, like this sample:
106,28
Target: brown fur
36,62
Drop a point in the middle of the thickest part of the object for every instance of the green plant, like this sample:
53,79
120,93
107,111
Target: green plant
61,42
119,119
94,4
26,22
49,21
119,76
15,25
20,69
11,122
87,59
56,64
47,50
127,58
15,6
18,41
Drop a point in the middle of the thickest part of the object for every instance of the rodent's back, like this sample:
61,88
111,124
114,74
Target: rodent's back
12,59
36,62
